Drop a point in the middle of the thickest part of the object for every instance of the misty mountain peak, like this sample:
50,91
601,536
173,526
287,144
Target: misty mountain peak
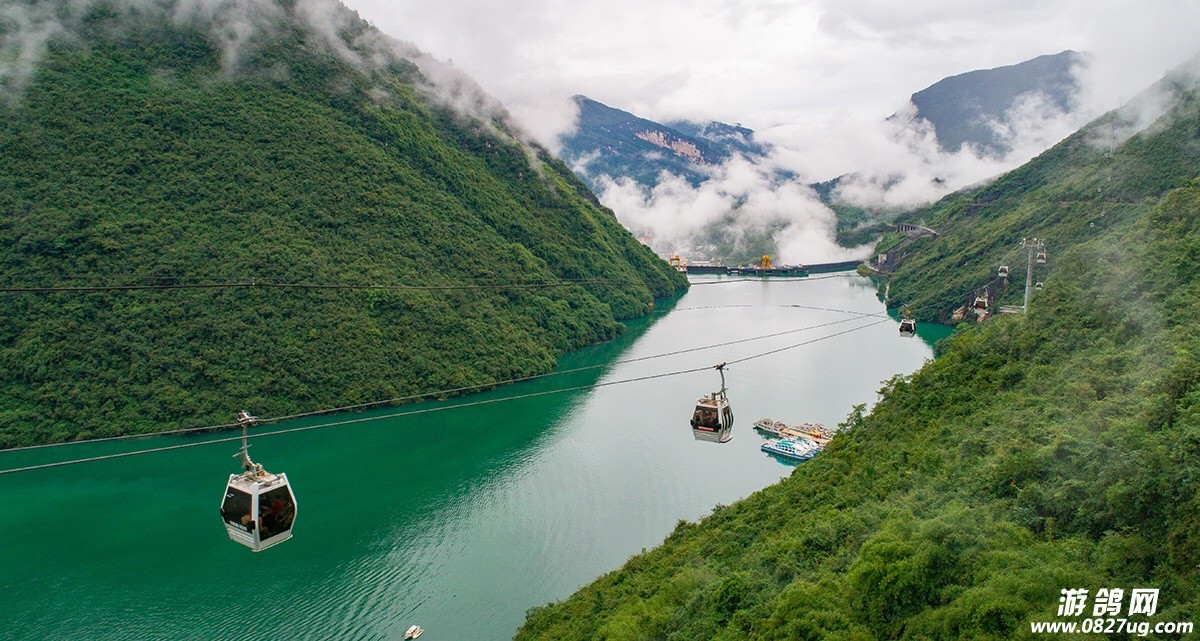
972,108
616,143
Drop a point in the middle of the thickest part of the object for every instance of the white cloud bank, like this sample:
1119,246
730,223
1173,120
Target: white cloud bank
675,215
814,78
900,166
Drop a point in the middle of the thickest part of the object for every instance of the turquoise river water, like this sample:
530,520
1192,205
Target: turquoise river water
456,520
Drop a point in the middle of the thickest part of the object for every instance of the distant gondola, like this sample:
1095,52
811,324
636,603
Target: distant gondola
712,419
1003,273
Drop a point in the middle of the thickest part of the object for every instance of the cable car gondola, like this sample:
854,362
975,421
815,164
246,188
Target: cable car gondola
1041,257
259,507
981,301
713,418
1003,273
908,326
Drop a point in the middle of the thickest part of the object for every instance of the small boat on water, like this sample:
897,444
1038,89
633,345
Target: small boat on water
812,431
770,425
791,448
413,632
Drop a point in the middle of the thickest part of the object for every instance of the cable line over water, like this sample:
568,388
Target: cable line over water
267,284
493,384
445,392
426,410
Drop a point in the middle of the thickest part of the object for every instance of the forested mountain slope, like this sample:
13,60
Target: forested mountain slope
140,152
1103,176
1042,452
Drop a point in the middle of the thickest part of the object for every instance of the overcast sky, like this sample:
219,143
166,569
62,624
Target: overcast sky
774,63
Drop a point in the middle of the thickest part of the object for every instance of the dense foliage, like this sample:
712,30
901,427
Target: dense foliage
1040,452
136,156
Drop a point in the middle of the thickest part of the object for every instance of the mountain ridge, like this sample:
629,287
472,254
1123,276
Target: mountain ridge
611,142
1106,170
139,156
967,108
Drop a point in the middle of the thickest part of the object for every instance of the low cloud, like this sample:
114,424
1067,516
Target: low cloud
536,55
898,164
233,26
886,166
25,31
740,200
1147,107
814,78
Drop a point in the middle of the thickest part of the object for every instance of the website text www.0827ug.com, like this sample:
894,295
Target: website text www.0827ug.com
1111,626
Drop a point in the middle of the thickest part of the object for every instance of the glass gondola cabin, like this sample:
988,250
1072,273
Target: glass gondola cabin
908,327
258,509
981,302
712,420
1003,272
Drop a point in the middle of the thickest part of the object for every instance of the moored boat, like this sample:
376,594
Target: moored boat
812,431
413,632
794,449
770,425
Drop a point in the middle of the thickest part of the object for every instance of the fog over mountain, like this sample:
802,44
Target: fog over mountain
972,108
610,142
714,191
814,79
26,29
